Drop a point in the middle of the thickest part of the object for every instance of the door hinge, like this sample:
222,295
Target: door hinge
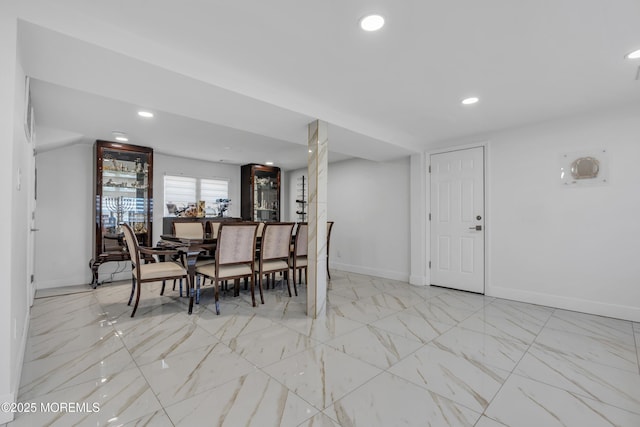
429,216
429,265
32,278
429,168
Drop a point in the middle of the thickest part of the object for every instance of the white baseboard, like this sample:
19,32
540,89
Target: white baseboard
58,283
386,274
624,312
73,281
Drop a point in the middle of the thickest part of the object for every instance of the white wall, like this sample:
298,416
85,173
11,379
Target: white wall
13,217
64,211
575,248
369,202
572,248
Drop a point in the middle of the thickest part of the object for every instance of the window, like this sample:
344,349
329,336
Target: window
181,192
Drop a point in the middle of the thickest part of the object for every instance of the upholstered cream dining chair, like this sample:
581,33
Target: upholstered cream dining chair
235,257
274,252
152,272
298,259
190,230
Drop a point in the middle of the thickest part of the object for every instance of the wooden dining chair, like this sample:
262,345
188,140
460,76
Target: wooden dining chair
274,252
214,226
234,259
151,272
298,259
190,230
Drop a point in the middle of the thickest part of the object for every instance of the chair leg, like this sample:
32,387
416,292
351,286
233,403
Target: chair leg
306,279
197,289
293,276
174,285
216,297
180,288
286,277
164,282
253,288
135,306
133,289
260,287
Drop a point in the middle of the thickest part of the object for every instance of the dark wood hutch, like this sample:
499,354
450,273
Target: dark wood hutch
123,194
260,193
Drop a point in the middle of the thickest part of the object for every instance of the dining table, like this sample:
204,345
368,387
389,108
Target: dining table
190,248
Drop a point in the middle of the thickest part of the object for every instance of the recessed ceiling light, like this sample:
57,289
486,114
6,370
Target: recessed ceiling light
269,163
146,114
471,100
372,22
633,55
122,138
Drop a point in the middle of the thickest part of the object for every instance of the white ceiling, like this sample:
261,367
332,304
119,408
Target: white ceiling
239,80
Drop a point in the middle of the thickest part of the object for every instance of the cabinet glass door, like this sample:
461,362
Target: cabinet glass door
266,197
125,192
123,196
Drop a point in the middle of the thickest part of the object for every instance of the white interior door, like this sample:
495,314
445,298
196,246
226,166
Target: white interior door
457,219
31,245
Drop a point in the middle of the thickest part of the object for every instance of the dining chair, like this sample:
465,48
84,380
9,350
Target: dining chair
298,259
329,228
260,228
274,252
234,259
151,272
214,226
190,230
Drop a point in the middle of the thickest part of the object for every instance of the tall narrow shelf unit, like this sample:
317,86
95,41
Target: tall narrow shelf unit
260,193
301,199
123,195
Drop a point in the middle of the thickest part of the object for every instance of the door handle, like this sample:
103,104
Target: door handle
477,228
35,229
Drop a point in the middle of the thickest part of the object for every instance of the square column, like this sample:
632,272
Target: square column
317,241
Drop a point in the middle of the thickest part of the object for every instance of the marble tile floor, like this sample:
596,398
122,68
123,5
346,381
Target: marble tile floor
386,354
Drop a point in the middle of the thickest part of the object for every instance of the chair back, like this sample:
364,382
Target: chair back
260,229
188,230
236,243
132,244
300,246
276,241
214,226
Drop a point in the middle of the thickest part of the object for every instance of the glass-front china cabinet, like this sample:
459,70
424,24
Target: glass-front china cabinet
260,193
124,195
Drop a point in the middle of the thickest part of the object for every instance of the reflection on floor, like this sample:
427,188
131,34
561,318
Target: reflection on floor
387,354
